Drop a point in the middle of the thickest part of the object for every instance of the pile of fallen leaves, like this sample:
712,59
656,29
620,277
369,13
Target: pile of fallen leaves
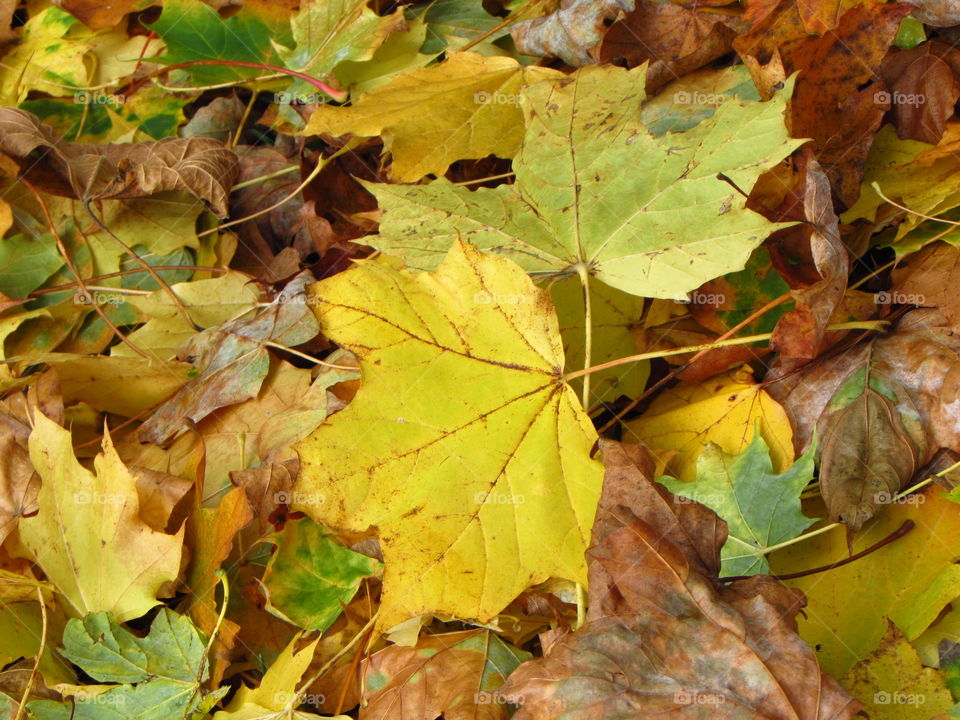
581,359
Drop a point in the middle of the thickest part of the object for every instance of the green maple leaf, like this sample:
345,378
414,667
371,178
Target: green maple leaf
160,673
761,509
653,216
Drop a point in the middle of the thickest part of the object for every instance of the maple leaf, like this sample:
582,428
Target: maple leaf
310,577
724,410
464,107
761,509
160,673
275,698
594,190
88,536
505,488
661,641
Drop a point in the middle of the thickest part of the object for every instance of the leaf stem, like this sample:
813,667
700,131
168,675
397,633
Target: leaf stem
36,665
338,95
584,274
876,188
264,178
745,340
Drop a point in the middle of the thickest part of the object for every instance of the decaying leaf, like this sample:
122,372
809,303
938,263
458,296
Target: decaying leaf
231,360
571,31
661,641
200,166
506,488
456,675
867,454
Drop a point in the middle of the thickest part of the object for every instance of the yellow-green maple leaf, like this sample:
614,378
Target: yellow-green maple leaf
88,536
464,447
466,107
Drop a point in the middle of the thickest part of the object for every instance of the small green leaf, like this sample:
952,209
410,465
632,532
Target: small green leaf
761,509
25,263
311,576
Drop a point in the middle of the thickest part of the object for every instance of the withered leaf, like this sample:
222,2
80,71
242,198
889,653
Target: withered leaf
201,166
569,32
867,457
661,641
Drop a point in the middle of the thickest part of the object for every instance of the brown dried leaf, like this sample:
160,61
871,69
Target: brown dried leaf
661,641
96,14
674,39
570,32
923,89
867,457
200,166
800,332
930,277
456,675
919,358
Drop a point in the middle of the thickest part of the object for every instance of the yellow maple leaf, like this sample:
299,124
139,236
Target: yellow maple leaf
464,447
88,536
723,410
464,108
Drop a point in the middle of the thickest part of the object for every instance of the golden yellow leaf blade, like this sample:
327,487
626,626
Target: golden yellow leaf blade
464,448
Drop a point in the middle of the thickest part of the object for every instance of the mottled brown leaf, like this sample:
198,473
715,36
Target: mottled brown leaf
674,39
867,457
570,32
669,645
200,166
800,332
923,89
